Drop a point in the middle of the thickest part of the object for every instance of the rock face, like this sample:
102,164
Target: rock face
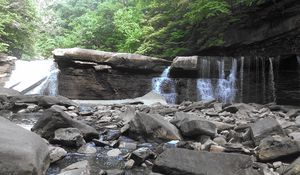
22,152
183,66
276,31
6,66
115,60
55,118
153,126
183,161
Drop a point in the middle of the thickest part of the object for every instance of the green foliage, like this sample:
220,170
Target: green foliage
152,27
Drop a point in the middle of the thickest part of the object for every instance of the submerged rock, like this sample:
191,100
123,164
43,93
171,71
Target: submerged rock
22,152
182,161
56,118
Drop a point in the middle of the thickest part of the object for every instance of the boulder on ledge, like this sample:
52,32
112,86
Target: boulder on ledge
124,61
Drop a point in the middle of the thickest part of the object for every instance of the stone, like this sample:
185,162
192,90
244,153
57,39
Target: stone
265,127
272,148
127,145
293,113
129,164
140,155
179,161
87,149
193,128
45,101
22,152
153,126
116,60
293,169
70,137
220,140
114,152
56,153
9,92
115,172
185,63
295,136
242,107
56,118
222,126
78,168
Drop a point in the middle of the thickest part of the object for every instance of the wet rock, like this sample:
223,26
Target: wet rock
153,126
56,153
78,168
265,127
101,143
129,164
22,152
128,145
70,137
140,155
114,153
272,148
182,161
196,127
293,169
87,149
239,107
55,118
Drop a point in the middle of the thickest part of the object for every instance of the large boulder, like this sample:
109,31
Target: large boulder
22,152
264,128
182,162
153,126
272,148
115,60
55,118
185,63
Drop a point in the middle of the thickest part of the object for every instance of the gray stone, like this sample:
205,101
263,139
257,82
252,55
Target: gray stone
129,164
293,169
78,168
293,113
153,126
115,172
198,127
265,127
182,161
87,149
114,153
128,145
242,107
56,118
22,152
70,137
140,155
185,63
275,147
8,92
56,153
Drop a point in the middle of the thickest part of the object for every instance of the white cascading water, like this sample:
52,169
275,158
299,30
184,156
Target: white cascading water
34,77
271,74
225,90
159,83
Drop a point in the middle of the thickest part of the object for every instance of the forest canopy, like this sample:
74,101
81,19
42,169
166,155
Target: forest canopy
151,27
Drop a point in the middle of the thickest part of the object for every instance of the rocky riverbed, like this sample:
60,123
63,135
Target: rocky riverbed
195,138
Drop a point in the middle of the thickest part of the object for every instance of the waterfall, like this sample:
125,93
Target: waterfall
242,78
165,86
50,84
205,89
226,91
33,77
272,83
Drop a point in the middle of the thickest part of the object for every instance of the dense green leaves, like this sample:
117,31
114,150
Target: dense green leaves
153,27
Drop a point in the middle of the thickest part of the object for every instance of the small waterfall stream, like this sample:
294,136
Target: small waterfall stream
34,77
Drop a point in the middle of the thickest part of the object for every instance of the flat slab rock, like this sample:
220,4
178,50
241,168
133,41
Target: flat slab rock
189,162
